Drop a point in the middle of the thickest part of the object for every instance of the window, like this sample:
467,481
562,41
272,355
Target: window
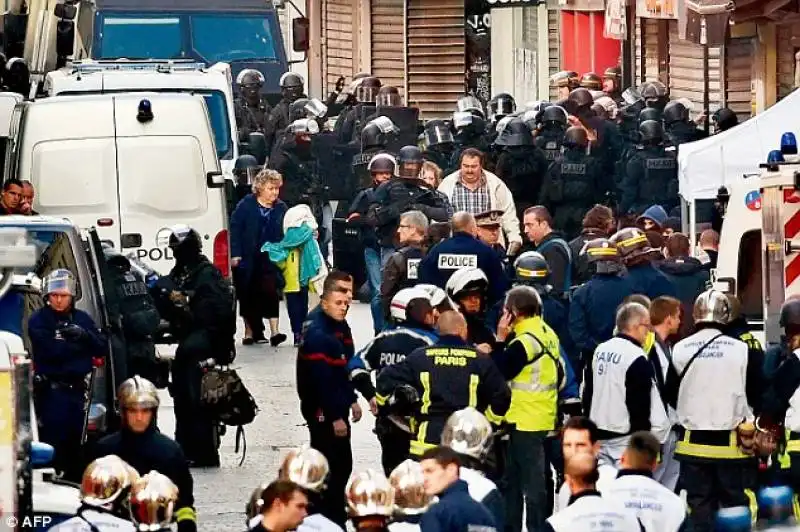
749,275
220,123
140,37
232,38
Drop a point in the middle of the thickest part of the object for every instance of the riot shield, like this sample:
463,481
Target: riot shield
364,113
406,119
348,251
334,166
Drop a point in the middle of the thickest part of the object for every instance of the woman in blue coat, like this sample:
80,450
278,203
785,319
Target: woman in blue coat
257,219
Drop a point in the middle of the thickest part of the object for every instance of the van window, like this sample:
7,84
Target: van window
140,37
226,38
748,279
220,123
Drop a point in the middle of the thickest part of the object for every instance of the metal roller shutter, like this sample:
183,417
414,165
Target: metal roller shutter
686,72
435,56
739,76
388,61
337,42
785,61
647,39
554,40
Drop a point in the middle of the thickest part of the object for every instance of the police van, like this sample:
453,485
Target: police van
129,164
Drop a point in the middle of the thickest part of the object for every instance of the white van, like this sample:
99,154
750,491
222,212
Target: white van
98,160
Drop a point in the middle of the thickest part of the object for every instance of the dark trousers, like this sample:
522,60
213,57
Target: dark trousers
554,460
258,298
340,460
61,413
713,485
297,307
394,442
524,481
195,430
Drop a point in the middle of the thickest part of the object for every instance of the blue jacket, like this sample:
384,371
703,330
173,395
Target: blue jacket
648,280
249,231
323,383
593,309
457,511
459,251
58,358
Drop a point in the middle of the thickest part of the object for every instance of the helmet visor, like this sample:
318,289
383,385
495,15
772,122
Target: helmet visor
462,119
366,93
631,96
389,100
469,104
410,169
62,282
385,124
503,106
316,108
438,134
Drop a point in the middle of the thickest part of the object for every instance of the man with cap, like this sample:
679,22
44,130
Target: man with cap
489,227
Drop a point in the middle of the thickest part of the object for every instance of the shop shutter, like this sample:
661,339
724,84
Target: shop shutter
785,61
686,72
647,40
388,62
739,76
337,42
554,40
435,56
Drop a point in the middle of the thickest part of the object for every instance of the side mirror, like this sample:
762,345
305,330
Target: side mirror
65,38
215,179
41,454
257,147
300,31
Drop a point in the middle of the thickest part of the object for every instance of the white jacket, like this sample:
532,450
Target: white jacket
658,508
500,199
101,520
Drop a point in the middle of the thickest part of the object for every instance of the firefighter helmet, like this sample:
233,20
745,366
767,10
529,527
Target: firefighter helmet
369,494
712,306
306,467
409,489
468,432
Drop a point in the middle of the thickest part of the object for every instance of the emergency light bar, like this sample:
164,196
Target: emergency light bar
148,65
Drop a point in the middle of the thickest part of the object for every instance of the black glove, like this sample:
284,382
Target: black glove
73,332
187,525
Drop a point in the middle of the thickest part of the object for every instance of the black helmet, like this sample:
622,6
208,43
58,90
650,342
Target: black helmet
591,81
649,113
367,90
531,268
297,109
502,104
581,98
603,254
724,118
516,133
409,159
554,114
468,124
245,162
471,105
389,96
291,80
790,314
654,94
378,132
576,137
675,112
382,162
250,76
116,259
184,242
651,132
437,132
631,242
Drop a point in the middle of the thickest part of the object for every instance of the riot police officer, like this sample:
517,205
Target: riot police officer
204,323
573,184
500,106
607,145
292,86
410,499
300,109
468,289
677,126
414,318
252,108
65,341
375,137
655,94
309,469
470,128
140,444
591,81
297,165
439,144
153,503
245,169
651,175
723,119
521,164
650,113
612,84
565,81
366,92
550,136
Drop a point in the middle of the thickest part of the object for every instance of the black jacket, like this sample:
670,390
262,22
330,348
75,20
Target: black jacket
580,265
689,279
400,195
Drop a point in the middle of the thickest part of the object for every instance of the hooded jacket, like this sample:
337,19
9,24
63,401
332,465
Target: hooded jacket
689,279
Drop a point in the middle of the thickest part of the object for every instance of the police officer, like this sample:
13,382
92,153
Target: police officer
105,487
650,113
469,126
204,324
636,253
718,386
564,81
145,448
500,106
470,434
521,164
550,136
309,469
410,499
607,143
370,501
64,343
573,183
489,225
677,126
375,137
723,119
297,165
153,503
414,317
444,376
139,320
245,170
655,94
252,108
468,288
654,504
463,249
612,84
439,143
292,87
591,81
365,92
302,108
401,268
590,323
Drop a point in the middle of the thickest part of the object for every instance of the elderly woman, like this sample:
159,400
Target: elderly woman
258,219
432,175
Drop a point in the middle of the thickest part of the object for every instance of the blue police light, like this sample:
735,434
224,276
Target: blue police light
41,454
735,519
775,504
788,143
145,113
774,157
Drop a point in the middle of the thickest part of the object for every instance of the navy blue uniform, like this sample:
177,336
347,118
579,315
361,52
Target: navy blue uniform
460,251
326,395
457,511
63,346
648,280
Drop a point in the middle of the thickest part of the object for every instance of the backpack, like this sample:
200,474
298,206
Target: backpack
225,397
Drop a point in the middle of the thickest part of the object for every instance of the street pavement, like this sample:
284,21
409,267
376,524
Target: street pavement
269,373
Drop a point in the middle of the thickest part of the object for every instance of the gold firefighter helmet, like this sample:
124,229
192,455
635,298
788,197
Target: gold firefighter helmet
306,467
138,392
409,489
369,494
468,432
106,480
712,306
152,502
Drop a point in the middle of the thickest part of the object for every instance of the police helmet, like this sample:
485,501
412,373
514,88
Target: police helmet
409,160
614,73
653,91
185,238
651,132
531,118
465,121
291,80
468,432
367,90
470,104
61,281
576,138
608,105
250,76
436,295
106,482
382,163
712,306
631,242
502,104
531,267
304,126
649,113
115,259
306,467
466,280
566,78
409,489
724,119
369,494
790,314
378,132
389,96
245,162
591,81
152,501
675,112
515,133
138,392
554,114
255,504
631,96
437,133
401,300
297,109
581,98
603,254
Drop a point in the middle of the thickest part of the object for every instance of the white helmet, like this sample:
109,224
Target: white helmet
436,295
468,432
467,279
401,300
712,306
